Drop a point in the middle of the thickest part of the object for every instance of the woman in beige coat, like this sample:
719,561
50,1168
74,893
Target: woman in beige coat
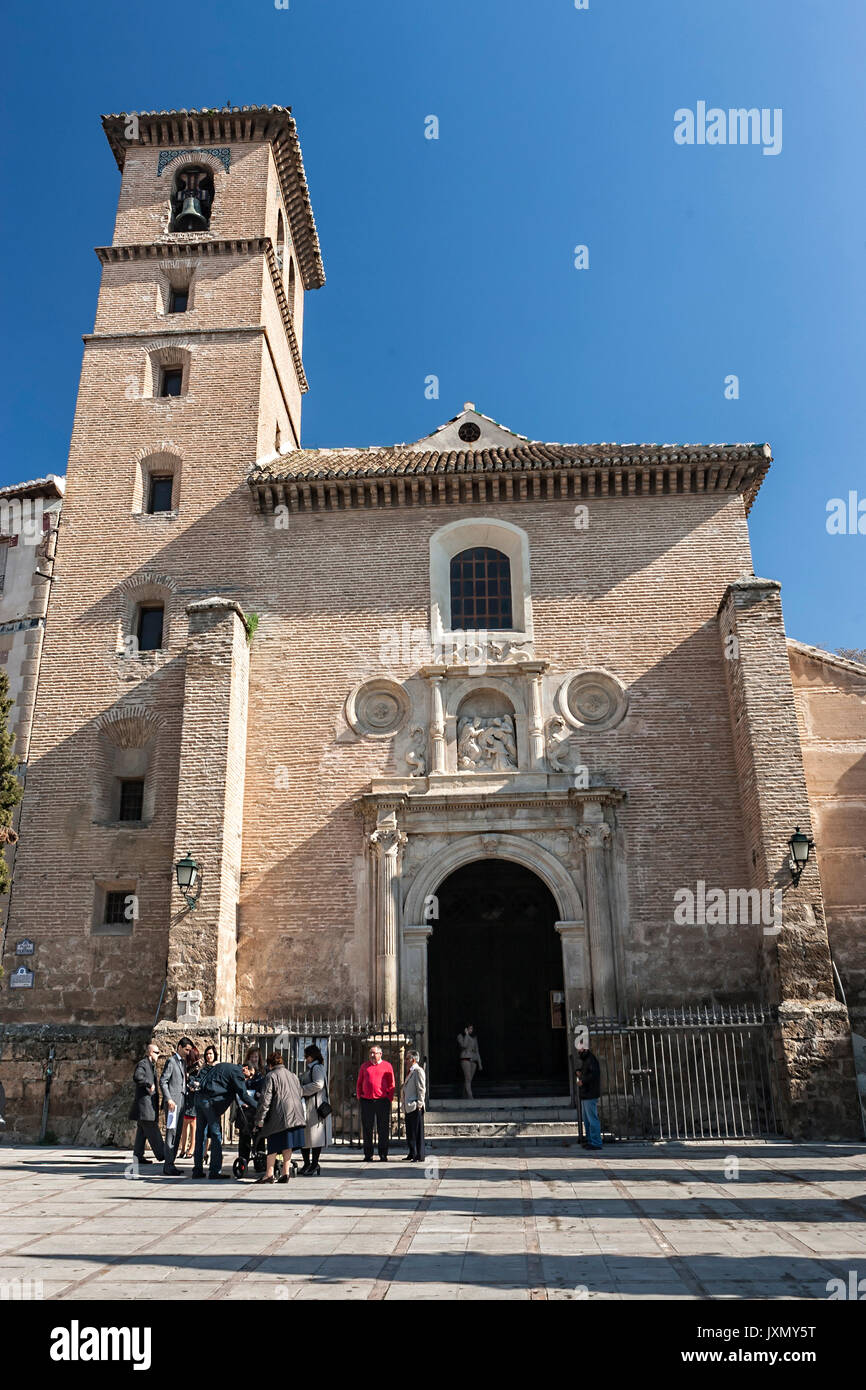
317,1134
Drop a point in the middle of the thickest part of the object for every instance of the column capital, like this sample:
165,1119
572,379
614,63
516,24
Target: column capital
596,835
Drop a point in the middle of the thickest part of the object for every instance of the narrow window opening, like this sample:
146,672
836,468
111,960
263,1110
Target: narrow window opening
172,379
159,497
116,908
178,300
150,620
131,799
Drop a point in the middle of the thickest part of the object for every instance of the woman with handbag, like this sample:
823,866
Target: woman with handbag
317,1134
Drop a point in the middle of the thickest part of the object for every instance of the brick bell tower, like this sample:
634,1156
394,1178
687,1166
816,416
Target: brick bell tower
193,372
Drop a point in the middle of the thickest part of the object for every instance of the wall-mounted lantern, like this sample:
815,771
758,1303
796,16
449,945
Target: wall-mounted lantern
800,846
188,874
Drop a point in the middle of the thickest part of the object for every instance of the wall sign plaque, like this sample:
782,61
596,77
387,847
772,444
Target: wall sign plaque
25,947
22,978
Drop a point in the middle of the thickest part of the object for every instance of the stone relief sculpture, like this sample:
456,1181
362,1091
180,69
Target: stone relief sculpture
487,745
562,752
509,651
415,756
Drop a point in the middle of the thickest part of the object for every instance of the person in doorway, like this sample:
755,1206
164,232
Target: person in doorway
280,1116
145,1108
589,1089
375,1090
470,1058
220,1085
172,1084
414,1094
314,1087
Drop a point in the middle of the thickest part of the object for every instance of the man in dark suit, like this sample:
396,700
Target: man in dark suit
172,1084
145,1108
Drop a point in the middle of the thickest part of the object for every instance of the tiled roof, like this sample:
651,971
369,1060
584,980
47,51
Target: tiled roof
399,460
237,123
50,486
827,658
533,468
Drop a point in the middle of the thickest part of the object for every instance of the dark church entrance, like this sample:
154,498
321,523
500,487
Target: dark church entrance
495,959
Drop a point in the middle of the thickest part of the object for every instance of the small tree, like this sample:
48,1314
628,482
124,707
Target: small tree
11,790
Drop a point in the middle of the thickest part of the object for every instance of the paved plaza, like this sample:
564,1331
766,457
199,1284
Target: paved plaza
678,1221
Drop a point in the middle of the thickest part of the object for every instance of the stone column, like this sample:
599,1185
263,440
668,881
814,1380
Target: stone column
210,798
536,718
816,1090
595,833
437,723
386,843
413,976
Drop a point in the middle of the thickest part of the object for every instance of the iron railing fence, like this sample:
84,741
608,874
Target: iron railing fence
344,1043
685,1073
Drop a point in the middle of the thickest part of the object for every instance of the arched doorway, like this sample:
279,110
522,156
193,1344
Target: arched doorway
494,959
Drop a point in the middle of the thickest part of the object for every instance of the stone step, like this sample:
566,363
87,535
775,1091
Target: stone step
517,1115
503,1130
485,1103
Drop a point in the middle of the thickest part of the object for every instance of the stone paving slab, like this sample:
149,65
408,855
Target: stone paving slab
638,1222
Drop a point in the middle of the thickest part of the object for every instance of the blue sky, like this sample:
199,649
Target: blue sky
454,256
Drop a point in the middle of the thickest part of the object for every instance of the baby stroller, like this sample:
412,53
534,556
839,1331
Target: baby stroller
254,1147
250,1147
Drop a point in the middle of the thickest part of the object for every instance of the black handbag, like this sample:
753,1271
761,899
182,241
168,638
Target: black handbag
326,1108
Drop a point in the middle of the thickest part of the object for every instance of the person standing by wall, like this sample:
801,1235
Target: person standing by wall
172,1084
145,1108
375,1090
314,1086
589,1090
470,1058
187,1137
414,1093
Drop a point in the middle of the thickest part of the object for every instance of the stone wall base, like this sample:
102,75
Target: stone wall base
816,1071
91,1089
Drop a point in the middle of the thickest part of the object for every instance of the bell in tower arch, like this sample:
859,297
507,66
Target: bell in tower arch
192,200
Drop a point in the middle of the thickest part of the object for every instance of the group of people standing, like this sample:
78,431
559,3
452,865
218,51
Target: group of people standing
274,1105
288,1112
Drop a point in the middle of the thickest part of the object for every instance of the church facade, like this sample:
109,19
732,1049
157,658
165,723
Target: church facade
473,725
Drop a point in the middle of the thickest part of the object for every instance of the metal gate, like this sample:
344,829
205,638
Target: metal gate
345,1044
690,1073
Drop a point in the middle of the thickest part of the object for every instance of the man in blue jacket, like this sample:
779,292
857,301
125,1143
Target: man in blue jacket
589,1091
220,1085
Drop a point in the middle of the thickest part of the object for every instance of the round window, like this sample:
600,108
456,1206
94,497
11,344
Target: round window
469,432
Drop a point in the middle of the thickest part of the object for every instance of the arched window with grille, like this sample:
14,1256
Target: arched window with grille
481,590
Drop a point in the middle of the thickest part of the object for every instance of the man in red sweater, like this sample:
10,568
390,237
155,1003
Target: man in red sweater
375,1091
